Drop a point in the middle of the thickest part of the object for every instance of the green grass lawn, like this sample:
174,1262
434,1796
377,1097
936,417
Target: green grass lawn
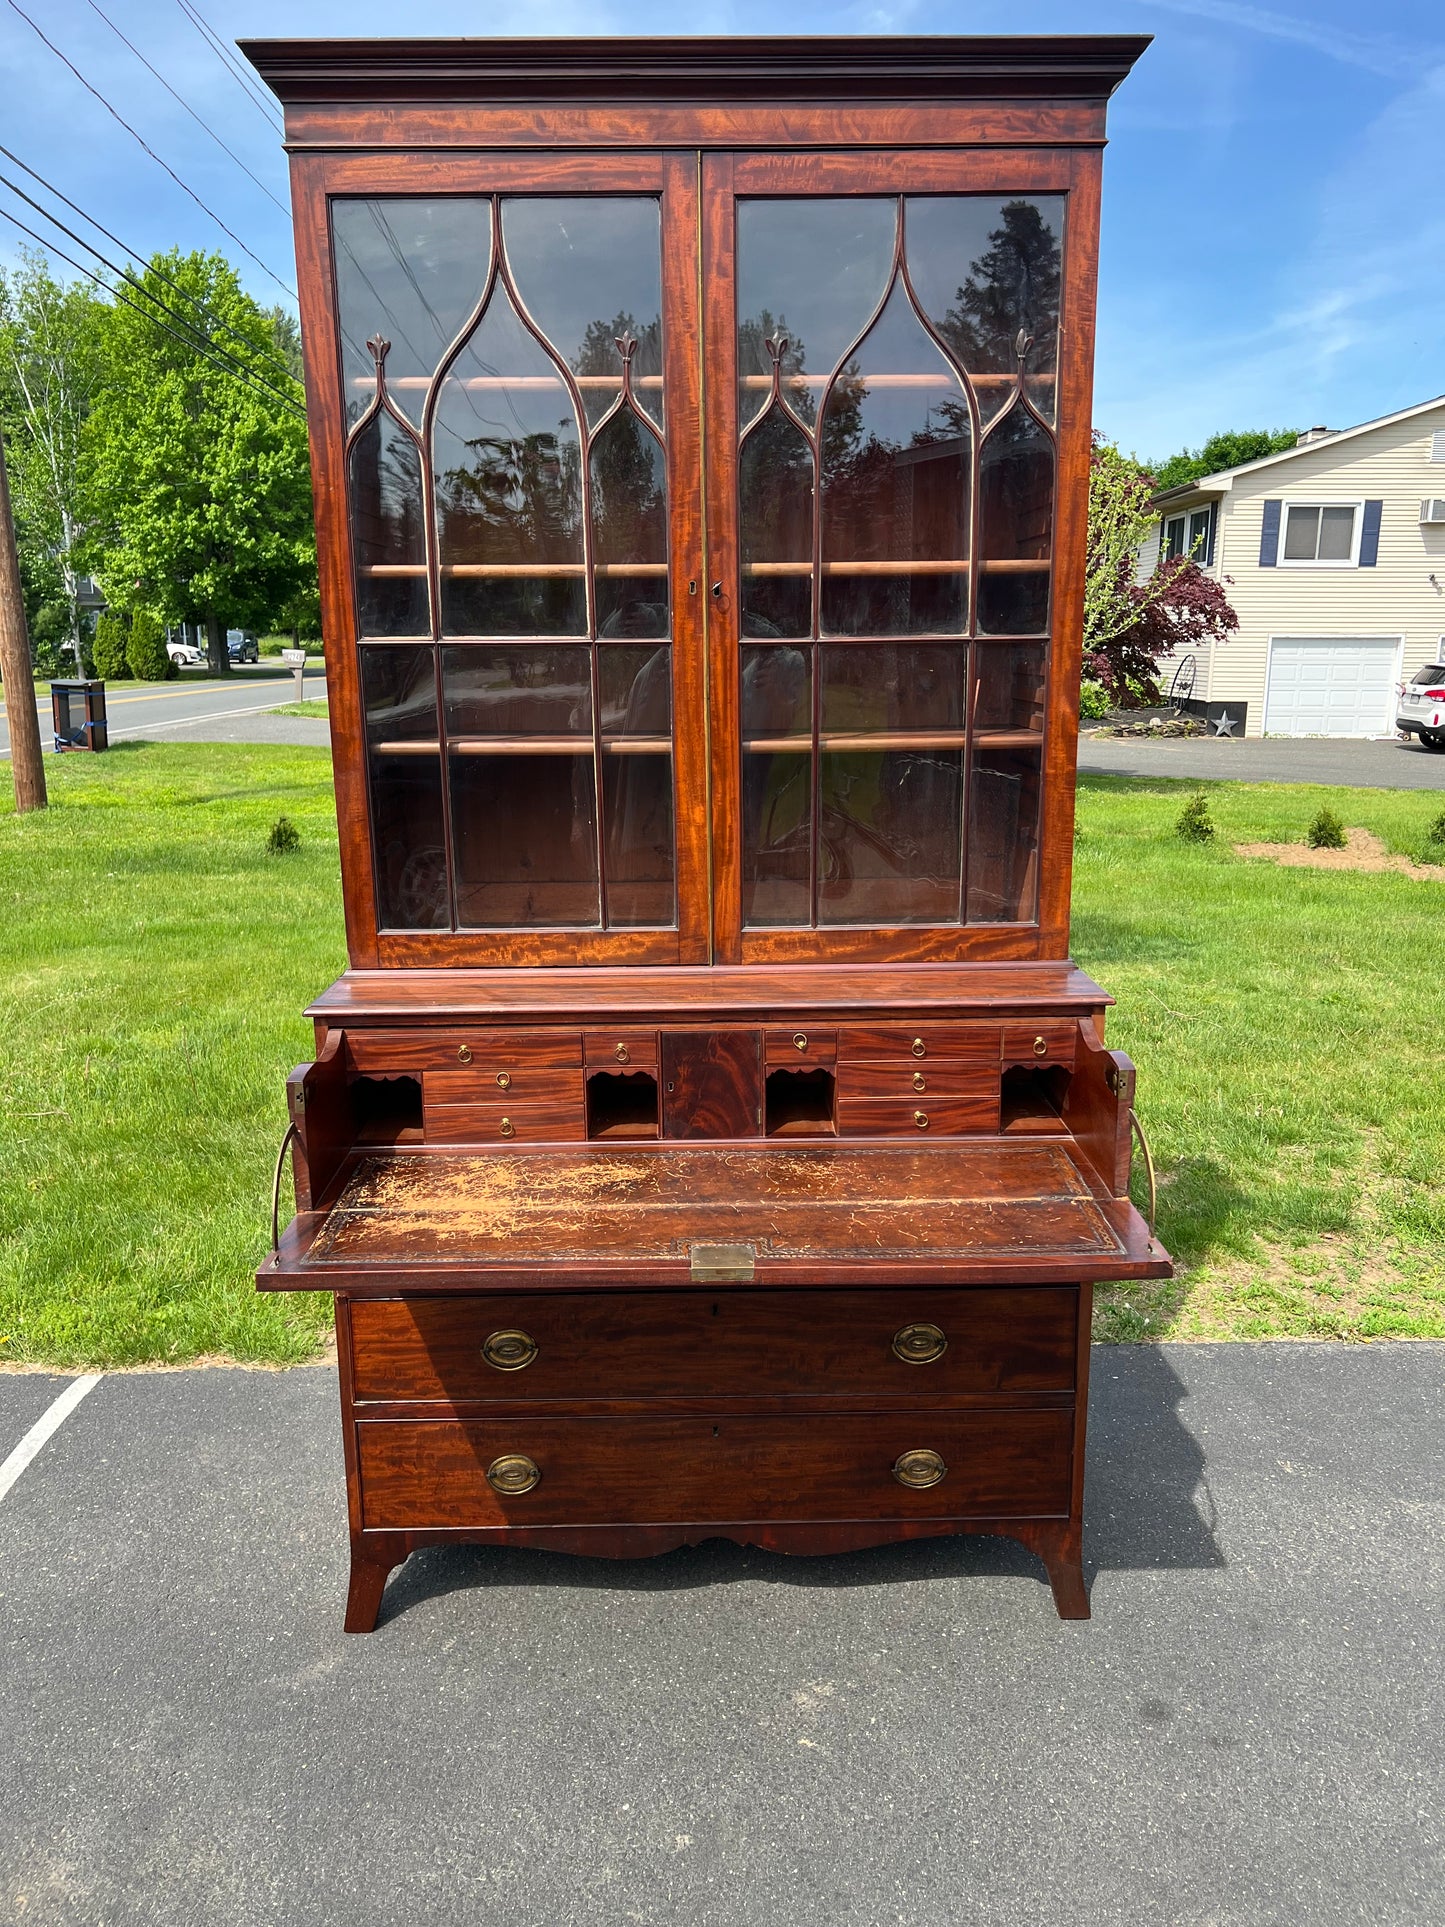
311,707
156,961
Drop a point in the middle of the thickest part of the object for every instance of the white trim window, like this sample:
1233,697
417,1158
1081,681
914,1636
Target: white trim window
1189,535
1321,535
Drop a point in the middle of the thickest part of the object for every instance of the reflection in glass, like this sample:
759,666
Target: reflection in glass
635,691
984,270
1016,526
895,439
813,270
589,270
1003,838
775,517
777,784
637,810
629,529
872,688
890,836
524,827
1009,693
498,692
507,462
410,269
398,690
388,531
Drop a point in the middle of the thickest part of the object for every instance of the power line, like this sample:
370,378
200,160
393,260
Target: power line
234,370
211,321
181,99
247,84
125,275
15,7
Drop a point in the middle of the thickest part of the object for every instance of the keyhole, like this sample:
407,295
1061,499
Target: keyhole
716,589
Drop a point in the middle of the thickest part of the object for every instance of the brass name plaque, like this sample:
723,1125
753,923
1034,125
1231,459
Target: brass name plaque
718,1264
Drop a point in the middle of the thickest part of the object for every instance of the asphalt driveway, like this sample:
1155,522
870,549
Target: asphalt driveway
1383,764
1248,1731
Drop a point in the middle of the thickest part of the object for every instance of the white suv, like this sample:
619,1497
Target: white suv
1420,710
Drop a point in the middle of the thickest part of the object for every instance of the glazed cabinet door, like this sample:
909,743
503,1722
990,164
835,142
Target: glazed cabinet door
506,350
897,424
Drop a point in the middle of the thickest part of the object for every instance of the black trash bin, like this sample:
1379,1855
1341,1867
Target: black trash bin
78,710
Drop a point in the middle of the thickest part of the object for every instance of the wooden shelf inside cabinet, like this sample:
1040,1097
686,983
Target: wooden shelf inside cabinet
528,746
419,384
952,565
504,571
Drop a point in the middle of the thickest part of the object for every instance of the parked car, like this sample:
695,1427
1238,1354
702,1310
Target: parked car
184,654
241,646
1420,710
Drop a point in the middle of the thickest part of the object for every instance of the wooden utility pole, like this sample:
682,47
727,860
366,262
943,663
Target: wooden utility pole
26,768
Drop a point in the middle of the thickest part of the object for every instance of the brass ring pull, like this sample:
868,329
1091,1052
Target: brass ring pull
504,1079
508,1130
800,1041
920,1118
464,1053
512,1474
919,1344
509,1351
622,1054
917,1469
1041,1048
920,1082
1138,1130
920,1049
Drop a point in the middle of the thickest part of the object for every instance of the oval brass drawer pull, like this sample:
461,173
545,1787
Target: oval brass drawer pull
919,1344
920,1082
464,1053
1041,1048
508,1129
514,1473
920,1118
510,1351
920,1049
917,1469
800,1042
504,1080
622,1054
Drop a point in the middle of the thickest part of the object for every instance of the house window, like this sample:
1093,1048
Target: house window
1322,533
1189,535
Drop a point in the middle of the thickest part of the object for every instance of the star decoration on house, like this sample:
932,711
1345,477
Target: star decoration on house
1224,724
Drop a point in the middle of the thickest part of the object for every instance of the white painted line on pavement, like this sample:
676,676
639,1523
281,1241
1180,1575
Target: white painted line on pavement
215,715
50,1420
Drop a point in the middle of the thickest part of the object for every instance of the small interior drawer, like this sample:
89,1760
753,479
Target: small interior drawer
494,1050
522,1084
932,1078
918,1043
1052,1041
603,1047
800,1046
925,1116
547,1122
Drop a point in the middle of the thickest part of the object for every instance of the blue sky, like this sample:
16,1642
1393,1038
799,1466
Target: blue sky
1274,223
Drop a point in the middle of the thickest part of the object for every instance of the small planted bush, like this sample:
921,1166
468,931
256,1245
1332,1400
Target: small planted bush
1194,823
1094,702
146,649
107,651
1434,850
284,837
1327,832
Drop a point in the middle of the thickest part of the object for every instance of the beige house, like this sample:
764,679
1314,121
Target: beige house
1333,556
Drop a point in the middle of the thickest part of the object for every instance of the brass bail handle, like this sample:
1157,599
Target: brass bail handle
291,1133
1138,1130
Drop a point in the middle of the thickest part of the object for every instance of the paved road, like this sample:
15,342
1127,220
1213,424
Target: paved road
1386,765
1248,1732
196,708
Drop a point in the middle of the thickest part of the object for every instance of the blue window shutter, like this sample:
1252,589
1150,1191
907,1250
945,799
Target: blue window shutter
1269,537
1370,535
1209,539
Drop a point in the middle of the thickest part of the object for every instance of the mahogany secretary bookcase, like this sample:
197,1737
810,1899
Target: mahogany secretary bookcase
710,1136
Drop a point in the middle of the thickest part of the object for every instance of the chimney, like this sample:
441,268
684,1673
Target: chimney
1311,435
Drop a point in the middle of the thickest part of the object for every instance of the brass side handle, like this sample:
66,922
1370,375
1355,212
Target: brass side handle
513,1473
504,1080
919,1048
920,1082
1041,1048
508,1130
919,1344
918,1469
622,1054
510,1350
920,1118
800,1042
464,1053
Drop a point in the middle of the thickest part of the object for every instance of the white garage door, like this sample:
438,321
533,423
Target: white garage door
1331,686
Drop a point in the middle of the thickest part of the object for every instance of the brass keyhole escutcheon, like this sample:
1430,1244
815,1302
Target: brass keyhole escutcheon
920,1082
920,1049
514,1473
1041,1048
800,1042
510,1351
504,1078
622,1054
919,1344
918,1469
507,1128
920,1118
464,1053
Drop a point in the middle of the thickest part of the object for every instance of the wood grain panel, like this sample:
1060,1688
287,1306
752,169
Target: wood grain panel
639,1470
712,1083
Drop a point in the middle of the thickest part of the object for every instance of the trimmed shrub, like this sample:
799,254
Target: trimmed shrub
146,649
1094,704
1327,832
1194,823
284,837
108,651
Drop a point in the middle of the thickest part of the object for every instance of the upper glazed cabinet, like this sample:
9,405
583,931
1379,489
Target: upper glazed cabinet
702,539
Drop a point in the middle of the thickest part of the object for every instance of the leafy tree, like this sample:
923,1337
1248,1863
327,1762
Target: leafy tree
1131,625
146,649
52,337
199,483
1226,450
109,649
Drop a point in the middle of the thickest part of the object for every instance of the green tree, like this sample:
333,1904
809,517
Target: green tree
109,649
1226,450
52,360
145,652
199,482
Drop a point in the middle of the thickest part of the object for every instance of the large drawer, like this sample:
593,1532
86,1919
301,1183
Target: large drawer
543,1121
918,1116
485,1051
726,1344
945,1077
424,1474
912,1043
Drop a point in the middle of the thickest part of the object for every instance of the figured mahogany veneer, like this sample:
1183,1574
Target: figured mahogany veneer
710,1134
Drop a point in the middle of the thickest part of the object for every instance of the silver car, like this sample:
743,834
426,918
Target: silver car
1420,710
